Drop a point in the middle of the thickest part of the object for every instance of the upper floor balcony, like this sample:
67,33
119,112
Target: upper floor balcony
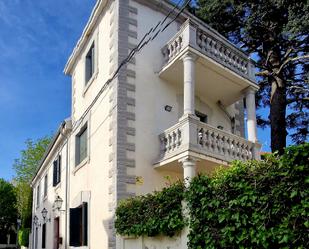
204,63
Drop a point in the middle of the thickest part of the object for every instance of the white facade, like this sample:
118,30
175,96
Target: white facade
126,135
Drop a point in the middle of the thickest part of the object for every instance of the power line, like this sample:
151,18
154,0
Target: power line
156,30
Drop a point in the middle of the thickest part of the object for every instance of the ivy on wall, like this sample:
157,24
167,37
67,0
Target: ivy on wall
159,213
261,204
256,204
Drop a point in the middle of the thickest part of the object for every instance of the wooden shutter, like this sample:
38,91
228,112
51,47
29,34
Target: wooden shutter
54,173
44,236
59,169
85,224
75,224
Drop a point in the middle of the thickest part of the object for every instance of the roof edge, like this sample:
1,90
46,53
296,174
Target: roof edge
63,130
95,13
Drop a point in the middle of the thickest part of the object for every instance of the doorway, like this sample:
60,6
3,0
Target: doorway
56,233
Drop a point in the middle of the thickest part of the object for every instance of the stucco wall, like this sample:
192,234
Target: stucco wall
48,201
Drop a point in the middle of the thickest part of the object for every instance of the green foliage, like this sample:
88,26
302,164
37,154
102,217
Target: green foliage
25,168
276,32
8,210
23,237
257,204
154,214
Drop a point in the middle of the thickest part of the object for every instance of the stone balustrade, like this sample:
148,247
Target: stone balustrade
192,135
208,42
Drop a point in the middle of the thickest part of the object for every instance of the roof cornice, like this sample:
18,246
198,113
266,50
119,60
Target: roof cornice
163,6
100,4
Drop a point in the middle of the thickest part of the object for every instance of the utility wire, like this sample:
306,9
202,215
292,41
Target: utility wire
156,30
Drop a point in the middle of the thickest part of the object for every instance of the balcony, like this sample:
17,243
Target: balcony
220,66
190,137
206,65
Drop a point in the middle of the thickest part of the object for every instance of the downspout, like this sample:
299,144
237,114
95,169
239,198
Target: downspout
66,133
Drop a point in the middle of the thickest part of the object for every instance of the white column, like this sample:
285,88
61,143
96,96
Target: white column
251,114
189,168
189,83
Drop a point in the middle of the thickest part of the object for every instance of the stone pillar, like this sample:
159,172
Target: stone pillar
189,83
189,169
251,114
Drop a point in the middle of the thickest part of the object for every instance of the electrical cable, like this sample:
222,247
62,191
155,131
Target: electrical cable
135,50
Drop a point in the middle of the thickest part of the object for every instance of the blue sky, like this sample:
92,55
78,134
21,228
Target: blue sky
36,38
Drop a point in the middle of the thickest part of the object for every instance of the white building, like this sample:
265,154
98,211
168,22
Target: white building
175,109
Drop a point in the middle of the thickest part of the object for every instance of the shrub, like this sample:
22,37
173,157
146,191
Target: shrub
256,204
159,213
23,237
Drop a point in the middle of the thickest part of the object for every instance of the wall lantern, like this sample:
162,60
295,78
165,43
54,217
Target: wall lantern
36,221
168,108
44,214
58,203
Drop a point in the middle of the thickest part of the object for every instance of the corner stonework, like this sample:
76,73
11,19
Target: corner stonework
123,38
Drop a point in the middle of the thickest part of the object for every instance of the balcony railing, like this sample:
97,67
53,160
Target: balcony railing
195,136
209,43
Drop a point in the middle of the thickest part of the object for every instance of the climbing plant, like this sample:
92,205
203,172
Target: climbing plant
159,213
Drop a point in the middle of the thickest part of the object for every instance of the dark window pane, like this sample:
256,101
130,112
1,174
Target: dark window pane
89,66
81,146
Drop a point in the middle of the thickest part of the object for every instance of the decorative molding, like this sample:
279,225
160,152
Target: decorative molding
122,99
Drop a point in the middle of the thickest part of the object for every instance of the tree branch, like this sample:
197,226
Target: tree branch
264,73
287,61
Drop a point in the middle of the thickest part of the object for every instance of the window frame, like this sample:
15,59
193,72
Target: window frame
45,185
78,159
57,171
38,190
90,63
79,221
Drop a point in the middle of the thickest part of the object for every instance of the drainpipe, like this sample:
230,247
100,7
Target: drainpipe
66,131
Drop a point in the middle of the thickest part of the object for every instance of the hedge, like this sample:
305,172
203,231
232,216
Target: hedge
23,237
261,204
254,204
159,213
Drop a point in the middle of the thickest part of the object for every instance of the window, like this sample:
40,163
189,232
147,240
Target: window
203,117
89,65
57,171
79,225
44,235
45,185
38,196
81,146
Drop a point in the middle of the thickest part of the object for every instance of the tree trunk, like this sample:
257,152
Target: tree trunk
278,115
278,104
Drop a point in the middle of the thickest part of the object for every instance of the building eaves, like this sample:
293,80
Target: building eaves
160,5
66,124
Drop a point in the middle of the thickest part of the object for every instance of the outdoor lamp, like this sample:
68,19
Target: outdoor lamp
44,214
168,108
36,221
58,203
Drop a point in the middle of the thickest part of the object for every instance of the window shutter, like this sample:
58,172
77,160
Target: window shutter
59,169
44,236
54,173
85,224
75,215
